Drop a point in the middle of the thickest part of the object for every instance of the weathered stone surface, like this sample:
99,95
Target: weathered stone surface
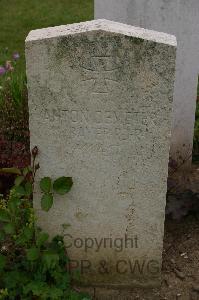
181,19
100,99
125,294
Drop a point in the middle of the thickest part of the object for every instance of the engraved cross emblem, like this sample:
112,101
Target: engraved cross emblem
101,72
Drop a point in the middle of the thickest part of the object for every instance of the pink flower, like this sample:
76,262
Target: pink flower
16,56
2,70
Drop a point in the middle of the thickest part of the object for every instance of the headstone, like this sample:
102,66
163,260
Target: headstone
100,100
181,19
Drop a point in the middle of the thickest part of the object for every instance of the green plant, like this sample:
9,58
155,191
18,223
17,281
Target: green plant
14,129
12,82
31,265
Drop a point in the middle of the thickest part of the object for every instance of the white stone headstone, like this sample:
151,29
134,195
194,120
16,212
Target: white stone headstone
180,18
100,100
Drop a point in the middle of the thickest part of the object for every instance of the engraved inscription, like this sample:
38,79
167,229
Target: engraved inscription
102,131
96,116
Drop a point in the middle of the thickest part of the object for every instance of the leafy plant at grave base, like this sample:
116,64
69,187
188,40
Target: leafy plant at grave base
14,132
31,265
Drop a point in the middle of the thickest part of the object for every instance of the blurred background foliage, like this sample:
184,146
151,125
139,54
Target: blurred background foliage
18,17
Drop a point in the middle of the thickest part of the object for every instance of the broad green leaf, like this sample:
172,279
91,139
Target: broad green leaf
4,216
28,188
25,236
63,185
46,202
28,233
9,228
13,205
46,184
41,239
2,261
50,259
33,254
10,171
19,180
20,191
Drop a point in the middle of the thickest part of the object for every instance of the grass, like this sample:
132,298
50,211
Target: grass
18,17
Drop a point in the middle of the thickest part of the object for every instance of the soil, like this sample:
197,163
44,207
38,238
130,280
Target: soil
180,272
180,278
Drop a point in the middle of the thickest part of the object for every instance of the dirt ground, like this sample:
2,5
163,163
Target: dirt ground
180,278
180,272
